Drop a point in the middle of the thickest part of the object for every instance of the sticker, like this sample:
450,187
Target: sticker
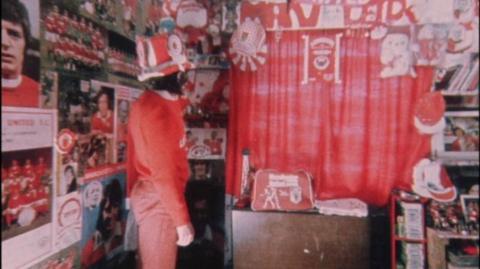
65,141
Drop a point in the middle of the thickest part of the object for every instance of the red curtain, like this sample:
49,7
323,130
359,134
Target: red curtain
356,138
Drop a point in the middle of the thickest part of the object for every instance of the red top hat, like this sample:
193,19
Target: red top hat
429,111
161,55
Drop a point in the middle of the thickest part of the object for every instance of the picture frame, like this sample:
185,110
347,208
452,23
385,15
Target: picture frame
469,202
459,140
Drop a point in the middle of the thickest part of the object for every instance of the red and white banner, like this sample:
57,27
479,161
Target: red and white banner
321,59
328,14
324,14
396,53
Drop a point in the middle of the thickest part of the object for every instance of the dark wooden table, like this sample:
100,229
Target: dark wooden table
280,240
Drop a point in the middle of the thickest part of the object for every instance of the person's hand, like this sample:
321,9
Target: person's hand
185,235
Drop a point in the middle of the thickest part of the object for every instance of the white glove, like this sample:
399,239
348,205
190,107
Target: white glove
185,235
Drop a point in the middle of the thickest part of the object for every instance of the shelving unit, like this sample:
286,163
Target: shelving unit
412,233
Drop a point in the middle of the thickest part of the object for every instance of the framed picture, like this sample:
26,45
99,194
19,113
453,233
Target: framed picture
459,139
469,207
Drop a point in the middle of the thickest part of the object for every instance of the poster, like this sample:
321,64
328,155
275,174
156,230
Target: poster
71,41
124,98
461,133
104,218
49,92
74,113
28,159
101,136
67,258
460,138
20,61
208,92
206,143
68,220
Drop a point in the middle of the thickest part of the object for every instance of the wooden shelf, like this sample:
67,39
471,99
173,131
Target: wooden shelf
437,244
452,235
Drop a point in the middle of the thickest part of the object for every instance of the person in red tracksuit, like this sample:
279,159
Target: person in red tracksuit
157,172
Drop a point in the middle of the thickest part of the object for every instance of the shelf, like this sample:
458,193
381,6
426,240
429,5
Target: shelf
471,93
420,241
452,235
458,156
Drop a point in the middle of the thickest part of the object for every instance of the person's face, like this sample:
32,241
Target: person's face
76,113
110,214
123,111
459,132
13,46
103,103
69,175
200,170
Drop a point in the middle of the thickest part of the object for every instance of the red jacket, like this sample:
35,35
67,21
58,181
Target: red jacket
156,141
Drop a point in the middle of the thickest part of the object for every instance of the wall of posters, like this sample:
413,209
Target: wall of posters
28,159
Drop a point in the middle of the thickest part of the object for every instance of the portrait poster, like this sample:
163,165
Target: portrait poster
104,218
68,220
124,98
20,54
66,258
28,159
203,143
101,137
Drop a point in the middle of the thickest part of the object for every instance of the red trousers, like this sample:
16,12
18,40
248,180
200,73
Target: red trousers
156,232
